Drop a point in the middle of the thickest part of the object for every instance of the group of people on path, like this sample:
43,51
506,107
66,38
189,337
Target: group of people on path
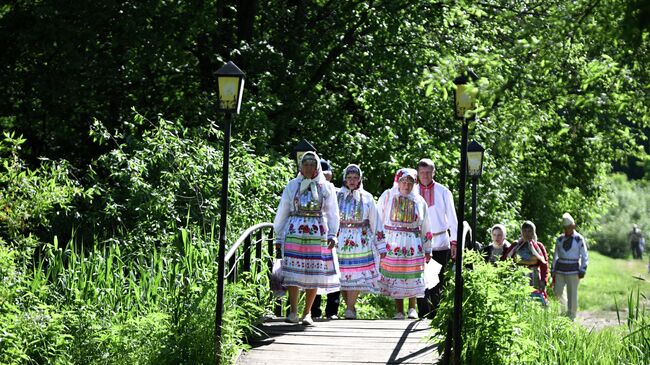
569,264
381,247
342,240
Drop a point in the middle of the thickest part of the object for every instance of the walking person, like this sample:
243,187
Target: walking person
528,251
636,237
306,224
569,265
333,299
361,237
442,220
408,242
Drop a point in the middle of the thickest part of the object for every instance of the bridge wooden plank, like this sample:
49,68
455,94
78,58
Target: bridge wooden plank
349,332
342,341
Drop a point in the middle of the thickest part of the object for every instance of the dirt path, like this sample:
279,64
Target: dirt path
599,320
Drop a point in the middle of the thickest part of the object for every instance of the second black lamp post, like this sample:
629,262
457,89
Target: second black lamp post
464,101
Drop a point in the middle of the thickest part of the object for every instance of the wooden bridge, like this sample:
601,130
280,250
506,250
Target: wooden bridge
342,342
327,341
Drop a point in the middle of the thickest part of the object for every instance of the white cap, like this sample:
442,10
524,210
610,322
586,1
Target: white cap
567,220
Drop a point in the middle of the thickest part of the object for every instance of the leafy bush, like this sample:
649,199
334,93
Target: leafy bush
170,176
502,325
371,306
106,307
99,339
33,331
492,296
30,198
560,341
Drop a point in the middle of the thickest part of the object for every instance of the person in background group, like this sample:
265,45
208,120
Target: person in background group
569,265
494,251
361,237
528,251
333,299
306,224
442,219
636,237
404,213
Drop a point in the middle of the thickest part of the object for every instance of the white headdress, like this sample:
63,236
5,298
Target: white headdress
356,193
309,182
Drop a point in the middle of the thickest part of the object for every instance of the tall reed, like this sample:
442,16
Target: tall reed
125,307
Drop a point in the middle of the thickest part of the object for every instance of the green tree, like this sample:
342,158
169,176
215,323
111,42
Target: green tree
563,84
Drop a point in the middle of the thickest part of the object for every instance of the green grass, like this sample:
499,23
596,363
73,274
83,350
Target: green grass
610,281
559,341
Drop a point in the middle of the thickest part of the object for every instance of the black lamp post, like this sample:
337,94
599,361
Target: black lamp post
474,170
230,84
464,97
300,149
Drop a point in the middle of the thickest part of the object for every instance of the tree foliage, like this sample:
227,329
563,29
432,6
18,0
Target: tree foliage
563,84
629,204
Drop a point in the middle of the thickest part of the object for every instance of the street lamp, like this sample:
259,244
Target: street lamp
475,159
464,101
230,84
474,170
300,149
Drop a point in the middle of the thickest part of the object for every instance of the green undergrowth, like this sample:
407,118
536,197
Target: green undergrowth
502,324
114,307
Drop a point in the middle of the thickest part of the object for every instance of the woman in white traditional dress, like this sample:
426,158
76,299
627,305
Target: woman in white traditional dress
361,239
408,242
306,225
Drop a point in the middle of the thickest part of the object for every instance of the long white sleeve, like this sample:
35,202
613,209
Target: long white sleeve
382,205
425,232
584,257
281,215
450,211
376,226
331,212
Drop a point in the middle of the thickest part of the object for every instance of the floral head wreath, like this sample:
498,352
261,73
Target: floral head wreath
404,173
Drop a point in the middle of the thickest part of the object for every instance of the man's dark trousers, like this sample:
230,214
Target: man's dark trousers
332,307
428,305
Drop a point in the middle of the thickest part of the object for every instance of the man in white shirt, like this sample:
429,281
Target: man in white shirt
442,216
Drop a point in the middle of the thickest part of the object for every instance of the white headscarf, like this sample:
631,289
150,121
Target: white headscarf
501,227
531,224
310,182
356,193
